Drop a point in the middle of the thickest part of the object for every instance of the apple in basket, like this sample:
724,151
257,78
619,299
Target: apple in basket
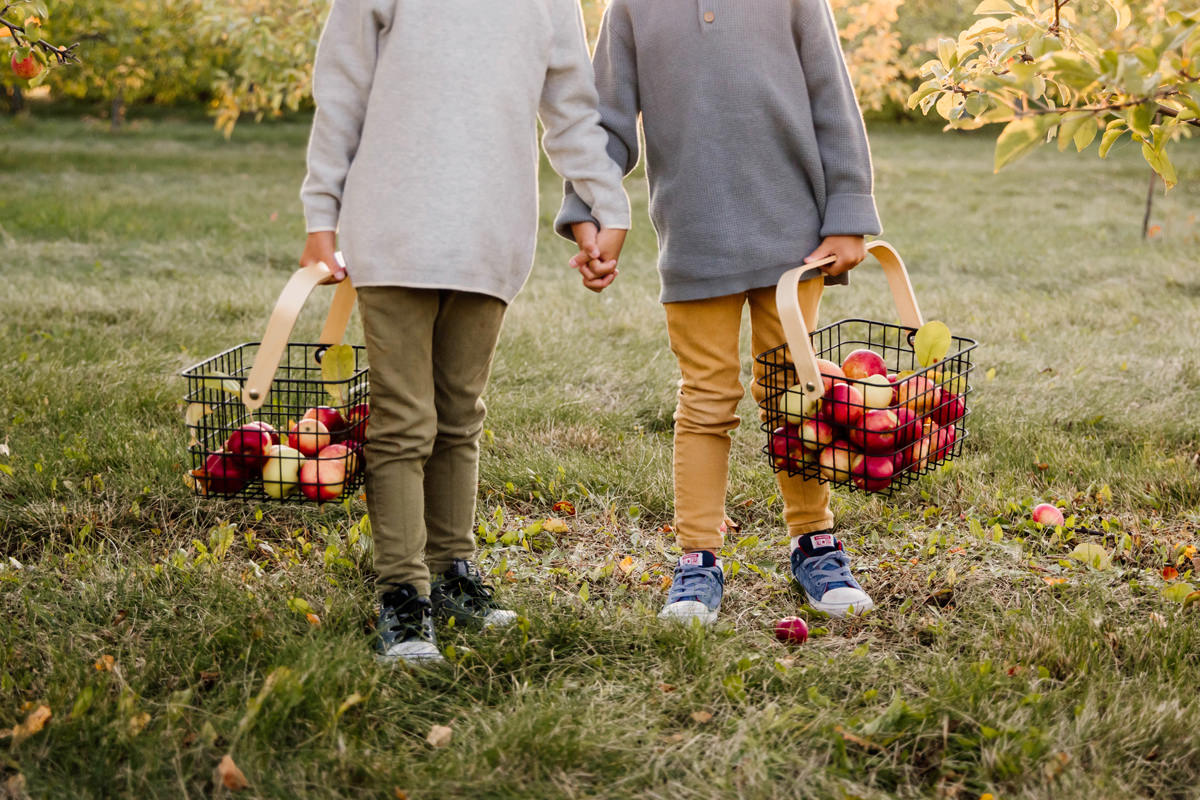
264,426
787,450
877,391
950,410
861,364
249,445
873,473
224,473
331,418
918,393
324,477
839,460
830,372
356,421
309,436
843,405
876,431
281,473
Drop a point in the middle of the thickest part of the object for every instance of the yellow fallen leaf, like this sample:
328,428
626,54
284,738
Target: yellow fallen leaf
554,525
104,663
313,619
231,777
138,723
440,735
701,717
33,724
626,564
349,702
1053,581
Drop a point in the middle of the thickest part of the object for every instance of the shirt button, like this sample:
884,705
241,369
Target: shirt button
709,16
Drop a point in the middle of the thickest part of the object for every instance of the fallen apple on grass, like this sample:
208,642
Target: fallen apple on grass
1047,514
791,630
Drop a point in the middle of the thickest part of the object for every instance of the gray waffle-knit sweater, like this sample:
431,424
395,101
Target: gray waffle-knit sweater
424,151
755,145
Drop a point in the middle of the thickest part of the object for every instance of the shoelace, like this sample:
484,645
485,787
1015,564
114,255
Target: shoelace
405,618
833,567
472,588
688,576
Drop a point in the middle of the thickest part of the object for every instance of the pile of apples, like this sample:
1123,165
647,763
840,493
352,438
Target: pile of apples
317,456
871,425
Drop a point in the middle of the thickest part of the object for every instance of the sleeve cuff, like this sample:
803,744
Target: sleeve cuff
573,211
851,215
321,214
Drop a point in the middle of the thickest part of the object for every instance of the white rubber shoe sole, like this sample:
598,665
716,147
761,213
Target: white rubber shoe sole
417,653
688,610
842,602
499,618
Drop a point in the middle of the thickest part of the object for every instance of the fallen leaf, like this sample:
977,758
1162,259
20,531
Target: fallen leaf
104,663
564,507
440,735
1158,619
349,702
554,525
231,777
666,581
138,723
1179,592
1170,573
33,724
701,717
313,619
400,794
626,564
1092,554
1193,597
666,687
1053,581
14,787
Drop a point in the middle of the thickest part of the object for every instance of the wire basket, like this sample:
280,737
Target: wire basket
877,433
269,421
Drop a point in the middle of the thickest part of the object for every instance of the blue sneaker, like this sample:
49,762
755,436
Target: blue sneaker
822,568
696,590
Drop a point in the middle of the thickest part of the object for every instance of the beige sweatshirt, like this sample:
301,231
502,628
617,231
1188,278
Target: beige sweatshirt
423,154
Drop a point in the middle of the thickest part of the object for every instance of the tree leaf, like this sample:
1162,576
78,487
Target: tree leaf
1111,134
1178,592
1092,554
1085,136
337,367
931,343
1019,138
440,735
994,7
232,778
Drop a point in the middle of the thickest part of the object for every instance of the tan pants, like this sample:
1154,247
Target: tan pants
430,353
704,337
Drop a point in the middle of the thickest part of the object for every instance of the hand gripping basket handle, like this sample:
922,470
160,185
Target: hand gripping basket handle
796,328
283,318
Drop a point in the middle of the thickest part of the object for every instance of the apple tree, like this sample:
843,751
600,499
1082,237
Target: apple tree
1072,70
30,55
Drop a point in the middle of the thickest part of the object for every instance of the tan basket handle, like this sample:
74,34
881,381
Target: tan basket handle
283,319
796,329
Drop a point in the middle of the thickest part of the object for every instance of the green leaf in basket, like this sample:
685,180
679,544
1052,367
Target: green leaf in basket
337,367
222,383
931,343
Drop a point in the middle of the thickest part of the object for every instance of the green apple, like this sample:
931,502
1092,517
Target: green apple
876,391
281,473
795,405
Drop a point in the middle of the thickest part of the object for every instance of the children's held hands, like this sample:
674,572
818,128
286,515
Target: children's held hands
849,251
599,250
320,247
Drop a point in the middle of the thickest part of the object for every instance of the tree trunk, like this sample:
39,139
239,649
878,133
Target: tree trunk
16,99
117,118
1149,204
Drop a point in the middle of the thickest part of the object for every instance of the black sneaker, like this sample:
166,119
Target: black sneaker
460,594
405,627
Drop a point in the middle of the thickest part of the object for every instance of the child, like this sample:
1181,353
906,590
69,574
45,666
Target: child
757,159
423,159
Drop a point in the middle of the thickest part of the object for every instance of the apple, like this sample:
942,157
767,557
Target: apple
357,458
815,434
28,67
874,473
281,473
331,418
264,426
876,391
917,393
795,405
249,445
908,425
921,450
951,409
862,363
838,461
831,373
946,434
792,630
786,448
876,431
356,421
308,436
843,405
324,478
345,452
1047,514
223,474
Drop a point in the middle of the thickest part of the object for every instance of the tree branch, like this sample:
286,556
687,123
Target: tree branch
64,55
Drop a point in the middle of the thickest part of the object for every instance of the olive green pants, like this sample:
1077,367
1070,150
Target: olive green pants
430,352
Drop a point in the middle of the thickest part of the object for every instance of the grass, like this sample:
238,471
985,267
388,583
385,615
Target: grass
994,663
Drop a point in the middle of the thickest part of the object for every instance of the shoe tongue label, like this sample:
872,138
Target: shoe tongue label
692,559
822,540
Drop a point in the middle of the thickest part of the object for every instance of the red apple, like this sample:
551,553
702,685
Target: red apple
946,434
918,394
264,426
876,431
950,409
815,434
356,421
908,424
27,67
843,405
331,418
862,363
830,372
324,477
249,445
792,630
838,461
1046,514
309,436
874,473
223,474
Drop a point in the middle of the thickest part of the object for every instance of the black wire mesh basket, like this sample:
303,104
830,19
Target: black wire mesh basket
881,422
280,421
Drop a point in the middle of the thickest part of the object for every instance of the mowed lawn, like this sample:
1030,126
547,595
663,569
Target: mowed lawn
163,632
